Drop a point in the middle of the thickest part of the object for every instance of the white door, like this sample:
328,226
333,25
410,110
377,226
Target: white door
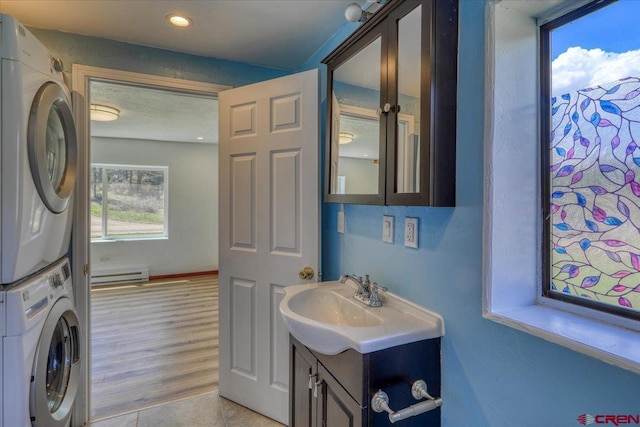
269,230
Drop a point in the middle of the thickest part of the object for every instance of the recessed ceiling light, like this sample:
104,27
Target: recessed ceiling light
179,20
103,113
366,155
200,138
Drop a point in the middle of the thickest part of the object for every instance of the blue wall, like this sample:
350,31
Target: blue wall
97,52
492,375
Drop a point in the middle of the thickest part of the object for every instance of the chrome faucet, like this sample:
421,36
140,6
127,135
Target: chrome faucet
367,292
363,285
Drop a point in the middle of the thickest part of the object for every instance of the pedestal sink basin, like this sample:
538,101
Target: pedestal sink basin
326,318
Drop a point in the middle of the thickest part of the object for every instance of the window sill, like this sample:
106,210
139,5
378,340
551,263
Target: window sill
613,344
132,239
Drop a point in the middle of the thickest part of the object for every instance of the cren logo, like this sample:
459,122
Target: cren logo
615,419
586,419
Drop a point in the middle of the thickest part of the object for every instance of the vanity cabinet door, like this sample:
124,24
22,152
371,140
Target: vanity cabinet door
336,407
303,378
347,381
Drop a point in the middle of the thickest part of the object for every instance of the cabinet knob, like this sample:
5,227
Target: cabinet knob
384,109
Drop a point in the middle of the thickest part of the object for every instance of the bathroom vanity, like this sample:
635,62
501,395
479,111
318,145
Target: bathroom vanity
353,364
336,391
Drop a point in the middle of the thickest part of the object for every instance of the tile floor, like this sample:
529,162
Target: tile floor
207,410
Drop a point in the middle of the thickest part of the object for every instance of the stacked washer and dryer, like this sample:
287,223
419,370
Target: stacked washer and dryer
40,364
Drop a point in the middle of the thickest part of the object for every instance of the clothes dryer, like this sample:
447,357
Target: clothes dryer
38,155
40,350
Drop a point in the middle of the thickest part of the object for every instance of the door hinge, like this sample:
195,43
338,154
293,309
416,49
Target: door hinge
85,270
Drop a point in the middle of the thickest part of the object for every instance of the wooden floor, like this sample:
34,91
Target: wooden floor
153,343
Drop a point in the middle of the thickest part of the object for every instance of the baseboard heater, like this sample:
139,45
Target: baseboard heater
122,275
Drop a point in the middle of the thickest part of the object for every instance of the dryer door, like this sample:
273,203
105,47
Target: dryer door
52,146
56,368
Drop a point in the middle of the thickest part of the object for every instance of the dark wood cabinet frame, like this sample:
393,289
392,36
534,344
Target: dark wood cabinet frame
438,102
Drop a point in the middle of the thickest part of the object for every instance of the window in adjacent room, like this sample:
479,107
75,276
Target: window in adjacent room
590,77
128,202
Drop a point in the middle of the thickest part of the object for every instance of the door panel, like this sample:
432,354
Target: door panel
285,223
243,201
269,230
243,327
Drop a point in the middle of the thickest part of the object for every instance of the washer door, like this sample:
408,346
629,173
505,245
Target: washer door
52,143
56,368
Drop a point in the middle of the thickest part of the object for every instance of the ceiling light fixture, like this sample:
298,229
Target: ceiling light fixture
199,138
345,137
104,113
179,20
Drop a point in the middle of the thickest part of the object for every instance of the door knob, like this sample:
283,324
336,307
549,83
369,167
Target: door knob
306,273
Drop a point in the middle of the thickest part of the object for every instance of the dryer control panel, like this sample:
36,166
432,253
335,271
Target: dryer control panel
59,277
27,302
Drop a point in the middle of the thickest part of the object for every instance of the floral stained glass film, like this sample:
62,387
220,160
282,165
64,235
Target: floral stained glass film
594,215
595,194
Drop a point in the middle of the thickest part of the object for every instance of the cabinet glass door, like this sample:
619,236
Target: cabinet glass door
356,127
407,156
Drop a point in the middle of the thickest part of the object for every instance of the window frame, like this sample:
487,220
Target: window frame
106,238
512,218
546,181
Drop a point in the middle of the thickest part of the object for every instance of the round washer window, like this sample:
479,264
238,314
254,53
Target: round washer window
56,148
56,368
59,365
52,145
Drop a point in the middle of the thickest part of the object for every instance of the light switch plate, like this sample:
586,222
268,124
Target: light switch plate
387,228
341,222
411,232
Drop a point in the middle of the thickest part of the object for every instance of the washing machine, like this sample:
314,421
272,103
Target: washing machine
40,350
38,155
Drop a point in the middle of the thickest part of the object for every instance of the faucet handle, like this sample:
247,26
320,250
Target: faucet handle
374,298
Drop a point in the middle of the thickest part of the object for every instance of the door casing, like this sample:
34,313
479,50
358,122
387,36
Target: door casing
82,75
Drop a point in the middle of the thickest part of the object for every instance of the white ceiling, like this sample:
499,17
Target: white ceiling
274,33
154,114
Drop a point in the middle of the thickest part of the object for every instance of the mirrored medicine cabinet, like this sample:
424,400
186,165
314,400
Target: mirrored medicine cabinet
391,121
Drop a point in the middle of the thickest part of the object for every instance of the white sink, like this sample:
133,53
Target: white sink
326,318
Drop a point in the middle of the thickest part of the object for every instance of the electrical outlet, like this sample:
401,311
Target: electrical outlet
341,222
387,228
411,232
